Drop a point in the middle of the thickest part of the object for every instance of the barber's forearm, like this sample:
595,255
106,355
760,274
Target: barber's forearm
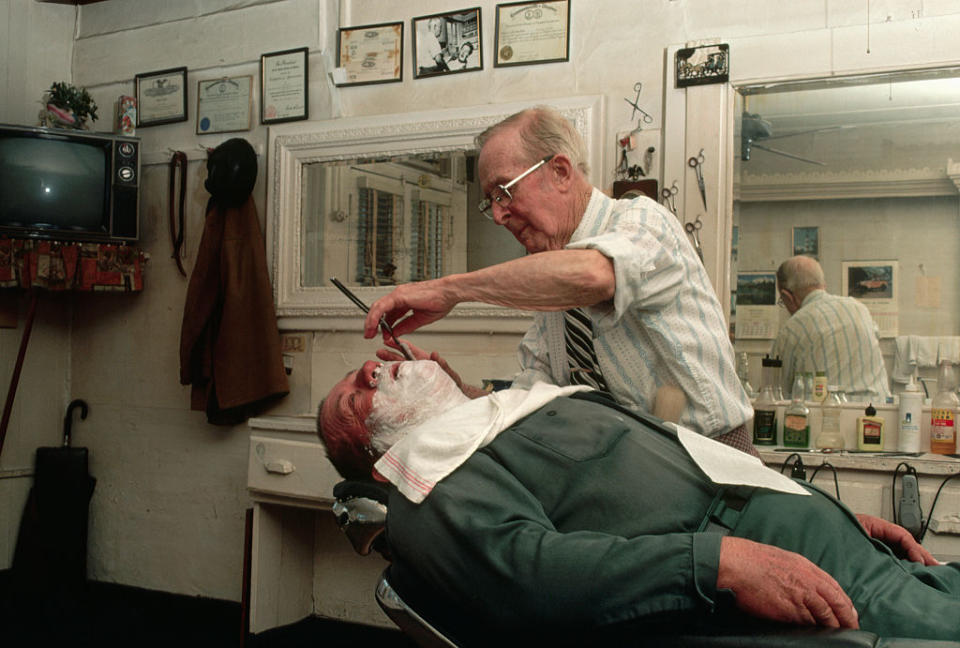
546,281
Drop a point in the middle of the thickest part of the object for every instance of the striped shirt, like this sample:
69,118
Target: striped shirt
837,335
664,325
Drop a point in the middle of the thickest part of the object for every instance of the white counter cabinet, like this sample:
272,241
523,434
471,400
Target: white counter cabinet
301,563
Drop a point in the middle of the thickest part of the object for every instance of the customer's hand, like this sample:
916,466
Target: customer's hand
897,538
772,583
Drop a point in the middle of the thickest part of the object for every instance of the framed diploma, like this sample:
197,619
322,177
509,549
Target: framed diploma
447,43
369,54
224,105
161,96
532,32
283,86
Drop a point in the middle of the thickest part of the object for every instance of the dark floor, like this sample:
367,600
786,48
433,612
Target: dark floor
101,615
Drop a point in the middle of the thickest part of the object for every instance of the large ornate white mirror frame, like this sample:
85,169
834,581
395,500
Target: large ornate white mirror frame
703,117
291,146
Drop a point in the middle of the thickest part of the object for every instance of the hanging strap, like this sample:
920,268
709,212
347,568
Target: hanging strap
178,167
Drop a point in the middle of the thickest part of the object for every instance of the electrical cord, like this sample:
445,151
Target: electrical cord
836,481
797,470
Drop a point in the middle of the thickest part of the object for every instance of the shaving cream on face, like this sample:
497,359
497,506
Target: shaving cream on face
420,391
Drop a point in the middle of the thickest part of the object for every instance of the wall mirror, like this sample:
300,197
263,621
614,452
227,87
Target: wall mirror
863,173
377,201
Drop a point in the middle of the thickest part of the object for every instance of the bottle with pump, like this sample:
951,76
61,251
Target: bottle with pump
870,430
911,409
796,418
830,438
943,412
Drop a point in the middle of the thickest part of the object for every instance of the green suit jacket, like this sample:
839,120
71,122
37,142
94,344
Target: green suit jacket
583,516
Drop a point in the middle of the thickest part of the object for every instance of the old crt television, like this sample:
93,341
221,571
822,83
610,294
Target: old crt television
69,185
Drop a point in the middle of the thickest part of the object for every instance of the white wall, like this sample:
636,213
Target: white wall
168,510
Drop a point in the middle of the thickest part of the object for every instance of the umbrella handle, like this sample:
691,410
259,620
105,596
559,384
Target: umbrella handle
68,419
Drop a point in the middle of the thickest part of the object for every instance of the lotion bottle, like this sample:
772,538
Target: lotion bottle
870,430
911,409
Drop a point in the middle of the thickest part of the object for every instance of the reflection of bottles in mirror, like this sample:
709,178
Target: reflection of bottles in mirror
743,373
820,386
765,417
870,430
943,412
911,409
796,418
771,375
830,438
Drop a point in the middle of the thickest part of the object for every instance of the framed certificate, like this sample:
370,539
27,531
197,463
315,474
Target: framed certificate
283,86
224,105
161,96
369,54
532,32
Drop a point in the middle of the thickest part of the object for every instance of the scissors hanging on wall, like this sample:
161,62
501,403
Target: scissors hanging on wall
668,197
693,230
696,163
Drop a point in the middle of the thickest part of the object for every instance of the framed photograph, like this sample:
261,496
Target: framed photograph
806,241
876,285
447,43
283,86
161,96
369,54
224,105
870,279
532,32
703,65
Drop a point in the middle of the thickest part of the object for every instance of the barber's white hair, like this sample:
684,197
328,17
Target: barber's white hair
543,131
800,273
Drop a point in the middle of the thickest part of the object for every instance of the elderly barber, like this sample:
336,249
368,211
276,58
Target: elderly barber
827,333
625,304
555,508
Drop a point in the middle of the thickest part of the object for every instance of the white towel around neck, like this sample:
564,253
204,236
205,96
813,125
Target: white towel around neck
433,450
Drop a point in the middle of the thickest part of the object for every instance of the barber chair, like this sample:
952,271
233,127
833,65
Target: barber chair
361,511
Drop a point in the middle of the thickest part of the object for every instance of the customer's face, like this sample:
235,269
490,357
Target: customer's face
537,212
387,399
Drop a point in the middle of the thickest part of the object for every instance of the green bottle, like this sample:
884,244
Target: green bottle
796,418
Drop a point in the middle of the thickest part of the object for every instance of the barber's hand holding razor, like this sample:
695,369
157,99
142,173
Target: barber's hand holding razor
409,307
780,585
419,354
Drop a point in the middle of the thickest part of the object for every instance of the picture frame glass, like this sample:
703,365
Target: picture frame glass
369,54
447,43
161,96
284,86
532,32
224,105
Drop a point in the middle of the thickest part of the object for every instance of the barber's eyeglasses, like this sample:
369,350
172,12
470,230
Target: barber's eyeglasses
501,193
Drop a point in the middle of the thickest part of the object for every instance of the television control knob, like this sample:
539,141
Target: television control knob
126,149
125,173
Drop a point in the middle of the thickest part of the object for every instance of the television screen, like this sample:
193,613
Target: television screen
53,183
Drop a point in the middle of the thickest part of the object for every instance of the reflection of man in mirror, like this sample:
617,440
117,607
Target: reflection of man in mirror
827,333
429,48
625,305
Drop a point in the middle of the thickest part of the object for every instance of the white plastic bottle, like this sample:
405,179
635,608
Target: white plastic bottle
911,411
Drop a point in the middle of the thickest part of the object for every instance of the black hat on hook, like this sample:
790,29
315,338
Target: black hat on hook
231,172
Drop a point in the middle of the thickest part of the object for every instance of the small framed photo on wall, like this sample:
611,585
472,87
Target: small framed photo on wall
369,54
532,32
447,43
806,241
161,96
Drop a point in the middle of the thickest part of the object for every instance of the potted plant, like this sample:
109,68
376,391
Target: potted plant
66,106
